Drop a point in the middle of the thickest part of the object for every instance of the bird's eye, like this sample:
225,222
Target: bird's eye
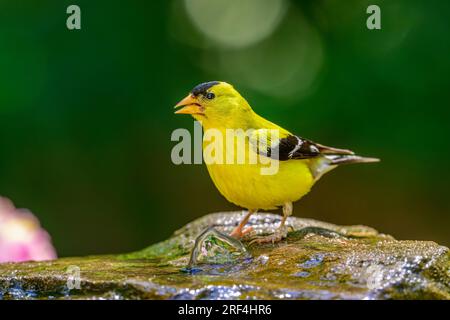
210,96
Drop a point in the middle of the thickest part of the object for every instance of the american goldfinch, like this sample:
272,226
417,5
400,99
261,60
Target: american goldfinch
301,162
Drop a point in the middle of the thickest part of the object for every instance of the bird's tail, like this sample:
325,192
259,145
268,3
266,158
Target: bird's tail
345,159
330,161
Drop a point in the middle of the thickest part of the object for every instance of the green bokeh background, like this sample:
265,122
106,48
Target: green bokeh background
86,116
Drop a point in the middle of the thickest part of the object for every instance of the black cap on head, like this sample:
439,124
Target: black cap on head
203,87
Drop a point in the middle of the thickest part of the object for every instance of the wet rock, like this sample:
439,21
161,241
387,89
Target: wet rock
316,261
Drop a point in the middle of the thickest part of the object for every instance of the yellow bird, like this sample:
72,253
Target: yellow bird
299,162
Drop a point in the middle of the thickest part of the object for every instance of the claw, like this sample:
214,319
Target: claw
240,233
277,236
248,234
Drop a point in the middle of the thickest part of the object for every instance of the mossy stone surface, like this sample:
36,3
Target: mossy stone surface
316,261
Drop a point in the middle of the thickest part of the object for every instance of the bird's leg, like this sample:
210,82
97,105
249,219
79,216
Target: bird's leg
239,231
281,231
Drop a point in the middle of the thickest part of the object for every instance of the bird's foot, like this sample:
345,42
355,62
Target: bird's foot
239,233
277,236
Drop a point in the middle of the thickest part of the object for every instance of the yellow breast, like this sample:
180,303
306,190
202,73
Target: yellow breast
244,184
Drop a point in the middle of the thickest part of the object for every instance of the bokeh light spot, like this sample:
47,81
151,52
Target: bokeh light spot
236,26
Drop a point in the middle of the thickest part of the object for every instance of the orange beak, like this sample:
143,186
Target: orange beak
190,106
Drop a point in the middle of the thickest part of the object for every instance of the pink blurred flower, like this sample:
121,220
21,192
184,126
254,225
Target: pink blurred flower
21,236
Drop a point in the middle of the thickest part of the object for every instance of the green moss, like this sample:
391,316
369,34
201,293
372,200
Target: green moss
166,250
